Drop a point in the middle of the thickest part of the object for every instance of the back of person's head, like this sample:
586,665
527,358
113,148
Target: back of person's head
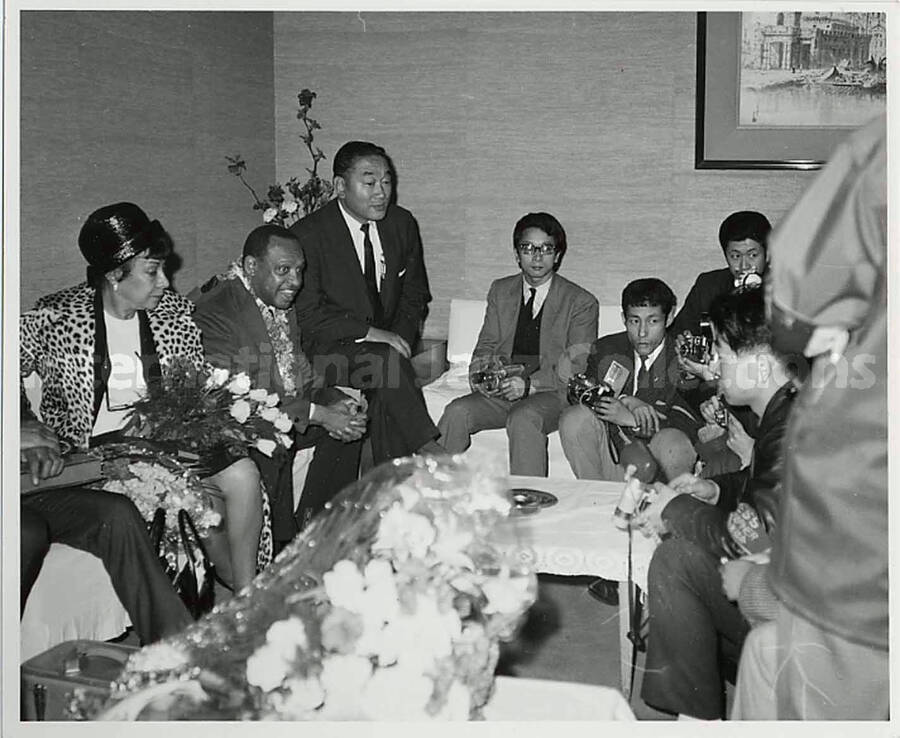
743,225
739,318
648,292
114,234
258,240
353,151
545,222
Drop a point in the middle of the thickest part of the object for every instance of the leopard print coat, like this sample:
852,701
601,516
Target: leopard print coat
57,342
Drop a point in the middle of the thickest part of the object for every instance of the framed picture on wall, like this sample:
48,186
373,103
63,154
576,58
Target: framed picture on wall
781,90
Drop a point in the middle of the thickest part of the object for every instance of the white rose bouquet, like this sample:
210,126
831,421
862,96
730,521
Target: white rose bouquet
389,606
209,412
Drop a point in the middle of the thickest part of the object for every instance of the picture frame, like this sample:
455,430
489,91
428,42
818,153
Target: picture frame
721,143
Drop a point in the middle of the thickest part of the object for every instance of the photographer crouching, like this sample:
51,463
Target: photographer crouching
695,630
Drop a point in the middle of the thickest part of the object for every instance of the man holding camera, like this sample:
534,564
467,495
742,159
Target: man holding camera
743,237
639,366
536,333
692,623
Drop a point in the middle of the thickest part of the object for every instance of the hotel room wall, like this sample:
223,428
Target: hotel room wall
487,116
140,106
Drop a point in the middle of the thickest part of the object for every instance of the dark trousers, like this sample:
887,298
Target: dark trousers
693,627
399,424
334,465
109,526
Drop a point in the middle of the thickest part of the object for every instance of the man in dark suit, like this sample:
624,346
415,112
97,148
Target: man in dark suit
541,320
365,294
743,237
247,321
641,364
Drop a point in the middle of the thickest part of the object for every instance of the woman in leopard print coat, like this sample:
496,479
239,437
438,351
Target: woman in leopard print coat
66,340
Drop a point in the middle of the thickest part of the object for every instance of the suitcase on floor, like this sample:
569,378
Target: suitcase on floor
50,678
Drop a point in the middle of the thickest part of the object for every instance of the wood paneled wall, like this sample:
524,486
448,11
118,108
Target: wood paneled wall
140,106
487,116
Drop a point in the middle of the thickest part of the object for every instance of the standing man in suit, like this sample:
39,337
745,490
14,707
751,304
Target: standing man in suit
247,321
542,321
365,294
642,362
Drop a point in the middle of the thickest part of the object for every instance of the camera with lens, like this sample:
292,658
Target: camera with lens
699,348
583,390
747,280
491,372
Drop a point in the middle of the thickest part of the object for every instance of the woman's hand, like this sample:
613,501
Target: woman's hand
739,440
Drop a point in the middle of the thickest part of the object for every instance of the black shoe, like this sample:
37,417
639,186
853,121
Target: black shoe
604,590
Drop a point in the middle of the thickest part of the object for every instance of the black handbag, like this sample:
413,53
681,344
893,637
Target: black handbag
157,530
195,583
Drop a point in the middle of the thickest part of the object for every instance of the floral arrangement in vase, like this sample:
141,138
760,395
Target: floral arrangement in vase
389,606
285,204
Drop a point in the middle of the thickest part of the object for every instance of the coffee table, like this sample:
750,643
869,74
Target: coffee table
576,537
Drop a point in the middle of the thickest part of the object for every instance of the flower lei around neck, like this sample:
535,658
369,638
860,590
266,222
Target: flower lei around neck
276,321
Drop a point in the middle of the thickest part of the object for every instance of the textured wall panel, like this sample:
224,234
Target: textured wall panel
140,106
589,116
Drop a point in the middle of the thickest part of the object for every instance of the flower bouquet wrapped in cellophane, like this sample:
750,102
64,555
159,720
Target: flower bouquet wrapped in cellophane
210,412
389,606
156,475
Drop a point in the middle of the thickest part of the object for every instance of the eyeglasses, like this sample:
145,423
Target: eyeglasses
528,249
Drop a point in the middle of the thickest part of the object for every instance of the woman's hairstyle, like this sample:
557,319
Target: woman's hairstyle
648,292
739,317
743,225
547,223
115,234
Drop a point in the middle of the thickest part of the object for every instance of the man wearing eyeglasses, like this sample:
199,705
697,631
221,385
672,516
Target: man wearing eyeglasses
537,330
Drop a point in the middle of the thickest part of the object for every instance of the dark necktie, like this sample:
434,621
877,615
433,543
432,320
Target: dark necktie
369,274
643,379
529,304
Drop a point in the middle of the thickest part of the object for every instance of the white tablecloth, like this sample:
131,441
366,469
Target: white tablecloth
540,699
576,536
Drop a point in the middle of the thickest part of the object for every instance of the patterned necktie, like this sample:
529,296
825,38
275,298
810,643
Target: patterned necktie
529,304
369,274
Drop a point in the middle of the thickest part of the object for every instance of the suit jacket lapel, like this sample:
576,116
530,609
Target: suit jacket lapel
661,367
345,255
254,327
387,236
508,308
551,311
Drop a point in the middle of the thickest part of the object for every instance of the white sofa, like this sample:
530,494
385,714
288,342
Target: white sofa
73,596
466,318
